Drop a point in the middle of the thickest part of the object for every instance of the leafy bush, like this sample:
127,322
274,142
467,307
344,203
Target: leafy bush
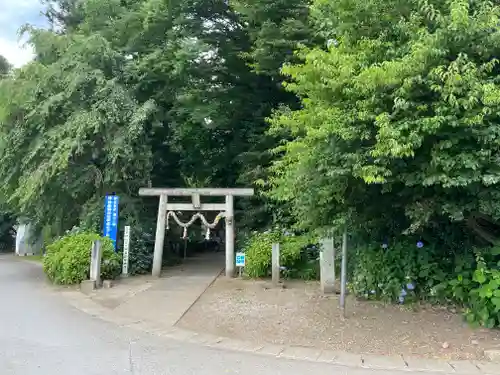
306,265
397,272
403,272
141,251
67,260
483,305
476,287
296,257
258,251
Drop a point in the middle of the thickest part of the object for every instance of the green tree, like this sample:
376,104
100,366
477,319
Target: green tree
126,93
276,28
398,129
70,129
4,66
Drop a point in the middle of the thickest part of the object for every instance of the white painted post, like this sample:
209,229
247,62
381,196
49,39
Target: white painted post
229,236
126,249
327,265
95,263
160,236
275,263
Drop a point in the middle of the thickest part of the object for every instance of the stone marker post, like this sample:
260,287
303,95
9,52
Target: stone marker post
327,265
95,263
343,276
229,236
275,263
126,250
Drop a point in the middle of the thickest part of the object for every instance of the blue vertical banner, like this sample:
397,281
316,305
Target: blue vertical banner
111,217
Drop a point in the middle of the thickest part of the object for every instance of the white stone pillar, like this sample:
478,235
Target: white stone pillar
343,273
327,265
160,235
95,263
275,263
229,236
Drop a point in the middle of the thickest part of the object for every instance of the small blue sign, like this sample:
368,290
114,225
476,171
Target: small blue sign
111,217
240,259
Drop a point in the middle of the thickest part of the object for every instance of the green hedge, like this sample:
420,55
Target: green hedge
67,260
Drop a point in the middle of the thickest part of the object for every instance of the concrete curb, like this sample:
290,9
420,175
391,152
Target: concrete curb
85,304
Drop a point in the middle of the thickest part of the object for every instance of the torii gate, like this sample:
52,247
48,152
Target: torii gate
226,209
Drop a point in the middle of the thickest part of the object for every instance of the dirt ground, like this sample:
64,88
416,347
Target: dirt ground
300,315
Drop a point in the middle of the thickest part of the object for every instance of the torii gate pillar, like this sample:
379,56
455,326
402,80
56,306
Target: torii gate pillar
196,205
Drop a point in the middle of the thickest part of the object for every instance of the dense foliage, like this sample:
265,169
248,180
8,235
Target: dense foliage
7,232
475,286
140,255
469,279
127,94
381,116
399,119
398,271
67,260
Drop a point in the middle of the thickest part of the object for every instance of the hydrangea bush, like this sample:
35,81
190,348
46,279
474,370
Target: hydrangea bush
409,271
398,272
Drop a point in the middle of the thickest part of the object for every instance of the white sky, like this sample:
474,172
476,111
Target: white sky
13,15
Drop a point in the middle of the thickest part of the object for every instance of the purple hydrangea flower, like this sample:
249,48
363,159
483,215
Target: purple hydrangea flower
410,286
420,244
403,293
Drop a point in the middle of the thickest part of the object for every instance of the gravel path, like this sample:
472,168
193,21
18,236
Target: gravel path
300,315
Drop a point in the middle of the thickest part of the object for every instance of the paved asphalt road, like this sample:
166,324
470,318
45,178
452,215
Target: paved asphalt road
41,334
